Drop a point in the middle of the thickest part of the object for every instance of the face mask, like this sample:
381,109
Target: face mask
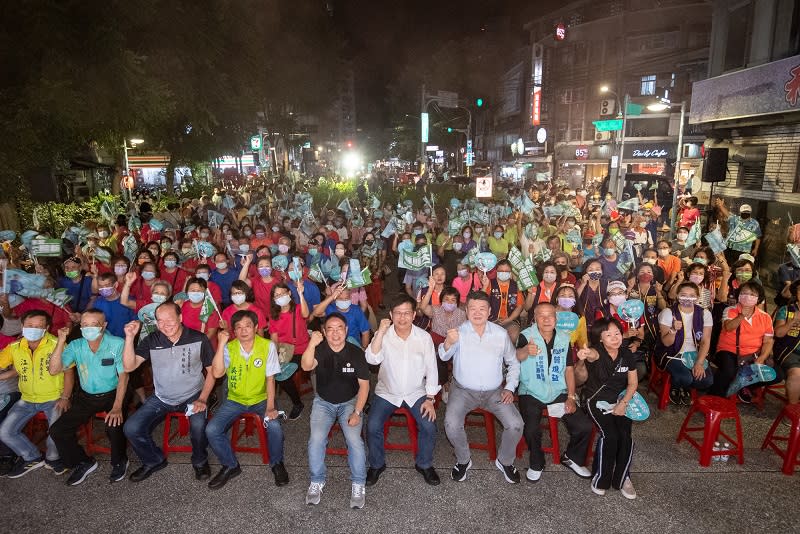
608,252
643,224
406,243
595,275
273,249
119,270
106,292
203,275
650,261
687,301
170,264
701,261
342,304
155,252
458,246
221,266
748,300
265,271
682,236
72,274
91,333
238,298
467,235
498,235
166,246
295,275
744,276
417,231
284,300
566,302
504,277
339,253
103,234
248,233
33,334
613,231
204,235
616,300
196,296
186,251
313,251
645,278
159,299
663,252
148,275
283,249
463,273
745,215
479,230
275,228
260,234
449,306
549,277
696,278
369,243
244,248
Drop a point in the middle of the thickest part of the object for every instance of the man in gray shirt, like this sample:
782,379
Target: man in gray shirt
178,356
480,350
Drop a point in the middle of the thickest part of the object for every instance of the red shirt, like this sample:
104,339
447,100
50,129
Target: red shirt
262,290
296,334
190,317
60,316
177,279
141,293
228,312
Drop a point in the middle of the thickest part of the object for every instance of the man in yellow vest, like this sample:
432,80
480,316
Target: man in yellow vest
41,392
251,363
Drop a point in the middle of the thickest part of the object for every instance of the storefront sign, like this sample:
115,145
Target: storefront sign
649,151
536,106
561,31
582,152
483,187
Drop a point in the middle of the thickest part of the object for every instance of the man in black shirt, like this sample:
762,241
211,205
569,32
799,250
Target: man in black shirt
342,391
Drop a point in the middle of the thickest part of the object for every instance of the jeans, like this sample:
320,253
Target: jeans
379,411
323,415
139,431
11,430
84,407
578,425
224,417
13,398
682,377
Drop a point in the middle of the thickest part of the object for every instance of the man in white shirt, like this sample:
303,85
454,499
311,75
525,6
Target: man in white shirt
479,350
408,378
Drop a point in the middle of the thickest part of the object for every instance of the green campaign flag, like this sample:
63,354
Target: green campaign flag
523,269
740,238
619,241
208,307
415,261
59,297
315,273
455,224
694,235
364,280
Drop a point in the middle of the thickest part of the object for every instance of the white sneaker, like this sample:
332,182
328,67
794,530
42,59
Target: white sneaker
598,491
357,496
314,492
533,475
627,489
579,470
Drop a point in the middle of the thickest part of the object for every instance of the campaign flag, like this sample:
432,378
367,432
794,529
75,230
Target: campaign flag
24,284
694,235
390,230
315,273
209,307
741,237
107,211
715,240
344,206
455,224
415,261
523,269
632,204
59,297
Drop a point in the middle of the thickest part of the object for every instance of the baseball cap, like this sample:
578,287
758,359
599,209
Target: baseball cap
745,208
615,284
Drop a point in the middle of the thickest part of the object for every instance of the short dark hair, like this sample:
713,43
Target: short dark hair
244,314
334,315
403,298
95,311
600,326
754,286
690,285
37,313
478,295
196,280
450,291
168,304
503,263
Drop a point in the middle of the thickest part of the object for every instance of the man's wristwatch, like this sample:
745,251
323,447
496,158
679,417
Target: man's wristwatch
574,397
357,413
432,399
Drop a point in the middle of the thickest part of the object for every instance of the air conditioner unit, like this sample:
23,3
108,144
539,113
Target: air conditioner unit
602,136
607,106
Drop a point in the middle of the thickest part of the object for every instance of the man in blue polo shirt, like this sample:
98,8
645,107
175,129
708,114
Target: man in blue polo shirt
339,301
77,283
97,356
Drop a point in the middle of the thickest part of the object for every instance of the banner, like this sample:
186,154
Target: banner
59,297
632,204
740,237
24,284
416,260
215,219
364,278
694,235
43,247
523,269
455,224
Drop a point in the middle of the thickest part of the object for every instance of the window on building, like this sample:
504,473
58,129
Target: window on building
648,86
752,167
738,36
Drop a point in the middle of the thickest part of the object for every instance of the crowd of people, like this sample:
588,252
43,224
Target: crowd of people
548,302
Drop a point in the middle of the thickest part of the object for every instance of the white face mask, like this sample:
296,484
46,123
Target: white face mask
283,300
238,299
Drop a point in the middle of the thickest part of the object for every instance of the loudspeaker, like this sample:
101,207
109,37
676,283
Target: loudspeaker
715,165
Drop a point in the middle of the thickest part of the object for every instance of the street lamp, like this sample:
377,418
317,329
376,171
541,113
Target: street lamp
616,186
127,181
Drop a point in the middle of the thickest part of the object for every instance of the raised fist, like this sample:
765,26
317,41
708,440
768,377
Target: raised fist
452,336
384,326
132,328
316,338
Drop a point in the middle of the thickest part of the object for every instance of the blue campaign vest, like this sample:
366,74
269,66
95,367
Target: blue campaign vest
534,377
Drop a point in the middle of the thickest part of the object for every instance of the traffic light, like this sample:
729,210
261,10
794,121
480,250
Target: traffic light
449,130
479,102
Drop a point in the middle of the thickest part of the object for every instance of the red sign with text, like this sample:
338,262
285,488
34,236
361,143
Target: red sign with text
536,106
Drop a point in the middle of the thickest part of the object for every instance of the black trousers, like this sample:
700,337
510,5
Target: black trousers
84,407
288,385
614,451
728,365
578,425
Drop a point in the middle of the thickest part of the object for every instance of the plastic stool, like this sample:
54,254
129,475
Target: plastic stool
790,455
182,431
714,410
253,423
490,445
92,447
409,422
776,390
660,383
302,381
336,451
552,424
37,428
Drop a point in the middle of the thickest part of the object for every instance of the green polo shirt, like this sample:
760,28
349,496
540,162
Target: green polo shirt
98,371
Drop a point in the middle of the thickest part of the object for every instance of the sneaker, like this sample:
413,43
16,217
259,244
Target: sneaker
22,468
297,409
459,472
357,496
314,492
56,466
509,472
281,476
533,475
686,397
118,471
745,395
373,474
627,489
579,470
81,471
675,396
7,464
597,491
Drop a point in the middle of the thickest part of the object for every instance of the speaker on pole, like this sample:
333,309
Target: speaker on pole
715,165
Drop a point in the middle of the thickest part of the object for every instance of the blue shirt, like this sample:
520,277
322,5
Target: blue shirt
225,281
311,293
80,294
98,371
610,271
116,314
735,221
357,322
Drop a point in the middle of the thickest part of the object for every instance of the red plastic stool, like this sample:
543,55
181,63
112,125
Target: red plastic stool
714,410
87,430
37,428
791,454
589,452
660,383
336,451
488,423
776,390
409,422
182,431
552,424
302,381
252,423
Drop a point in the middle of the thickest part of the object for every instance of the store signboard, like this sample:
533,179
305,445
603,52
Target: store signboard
582,152
536,106
634,151
483,187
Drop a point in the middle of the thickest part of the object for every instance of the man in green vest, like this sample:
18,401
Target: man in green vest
251,363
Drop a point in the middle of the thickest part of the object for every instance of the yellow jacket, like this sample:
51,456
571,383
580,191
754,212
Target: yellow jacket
35,382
